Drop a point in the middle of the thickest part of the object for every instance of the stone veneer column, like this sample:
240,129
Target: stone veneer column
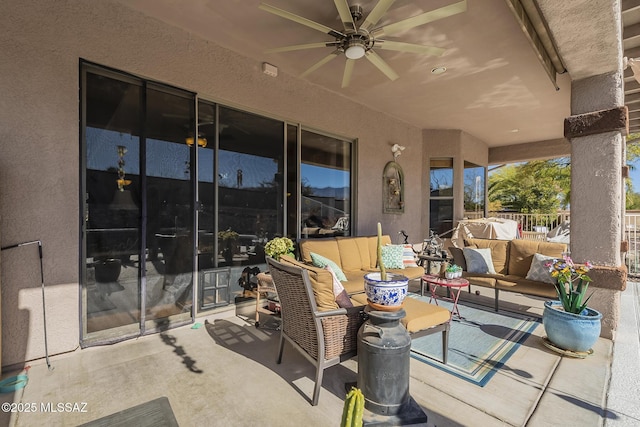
596,131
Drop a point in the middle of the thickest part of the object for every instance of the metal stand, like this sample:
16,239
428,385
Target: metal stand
383,371
44,311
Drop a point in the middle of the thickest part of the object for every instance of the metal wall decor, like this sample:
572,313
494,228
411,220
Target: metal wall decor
393,188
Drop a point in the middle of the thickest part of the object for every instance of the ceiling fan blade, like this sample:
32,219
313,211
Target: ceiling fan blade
320,63
345,15
376,13
408,47
376,60
300,47
300,20
348,70
421,19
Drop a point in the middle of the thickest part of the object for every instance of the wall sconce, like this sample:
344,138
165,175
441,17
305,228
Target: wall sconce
393,189
202,142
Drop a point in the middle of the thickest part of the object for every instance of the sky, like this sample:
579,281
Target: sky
634,173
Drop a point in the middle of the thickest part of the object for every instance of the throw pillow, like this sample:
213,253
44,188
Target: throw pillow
478,260
392,256
458,257
322,262
538,271
342,299
408,256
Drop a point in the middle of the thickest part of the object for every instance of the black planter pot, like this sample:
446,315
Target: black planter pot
107,270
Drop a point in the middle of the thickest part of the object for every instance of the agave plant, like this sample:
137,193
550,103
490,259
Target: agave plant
383,270
572,283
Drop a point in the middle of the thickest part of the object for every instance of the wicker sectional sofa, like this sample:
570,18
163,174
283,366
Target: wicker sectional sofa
511,261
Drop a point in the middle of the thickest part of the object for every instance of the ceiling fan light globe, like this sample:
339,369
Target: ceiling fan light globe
355,51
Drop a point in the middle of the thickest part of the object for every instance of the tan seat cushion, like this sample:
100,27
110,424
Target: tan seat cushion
354,253
522,251
525,286
420,314
321,282
328,248
479,279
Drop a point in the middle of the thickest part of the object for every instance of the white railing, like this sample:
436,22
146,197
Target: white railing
631,224
537,223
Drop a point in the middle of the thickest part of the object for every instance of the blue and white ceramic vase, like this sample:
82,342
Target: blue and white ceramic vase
568,331
389,293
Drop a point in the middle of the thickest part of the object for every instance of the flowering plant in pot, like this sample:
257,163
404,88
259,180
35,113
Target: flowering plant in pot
279,246
385,291
569,323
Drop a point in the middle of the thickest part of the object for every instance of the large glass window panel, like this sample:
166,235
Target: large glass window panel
441,215
441,179
206,185
170,237
112,204
292,182
250,186
474,182
325,180
441,195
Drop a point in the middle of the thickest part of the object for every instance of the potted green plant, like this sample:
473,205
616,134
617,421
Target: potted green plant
279,246
385,290
568,322
453,271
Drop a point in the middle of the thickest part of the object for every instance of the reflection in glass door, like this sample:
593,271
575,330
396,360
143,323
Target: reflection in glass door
325,186
138,206
112,206
169,208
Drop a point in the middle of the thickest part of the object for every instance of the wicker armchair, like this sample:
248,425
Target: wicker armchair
325,338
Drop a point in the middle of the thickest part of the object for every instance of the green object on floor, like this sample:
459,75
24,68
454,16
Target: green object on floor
13,383
196,326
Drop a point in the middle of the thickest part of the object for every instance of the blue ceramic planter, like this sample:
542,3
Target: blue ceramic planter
390,292
575,332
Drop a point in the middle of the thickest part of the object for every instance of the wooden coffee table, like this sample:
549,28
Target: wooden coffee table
453,286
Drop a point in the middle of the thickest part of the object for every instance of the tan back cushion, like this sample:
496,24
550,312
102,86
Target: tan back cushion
499,252
522,251
328,248
354,253
321,282
373,248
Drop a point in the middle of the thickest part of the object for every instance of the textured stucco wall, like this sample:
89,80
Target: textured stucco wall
41,44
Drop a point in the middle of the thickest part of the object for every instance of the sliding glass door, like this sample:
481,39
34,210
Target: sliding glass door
138,210
168,278
180,195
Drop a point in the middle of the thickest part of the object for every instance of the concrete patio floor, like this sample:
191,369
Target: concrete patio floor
224,374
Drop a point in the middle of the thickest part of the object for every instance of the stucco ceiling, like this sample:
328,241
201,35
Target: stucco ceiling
494,88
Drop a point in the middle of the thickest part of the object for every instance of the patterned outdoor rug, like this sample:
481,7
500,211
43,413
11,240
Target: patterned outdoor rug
479,344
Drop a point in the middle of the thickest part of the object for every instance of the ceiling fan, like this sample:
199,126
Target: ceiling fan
359,40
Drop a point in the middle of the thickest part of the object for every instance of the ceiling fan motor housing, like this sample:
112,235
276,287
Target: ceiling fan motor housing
356,12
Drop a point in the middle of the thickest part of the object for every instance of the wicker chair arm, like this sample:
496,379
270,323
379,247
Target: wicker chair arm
337,312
